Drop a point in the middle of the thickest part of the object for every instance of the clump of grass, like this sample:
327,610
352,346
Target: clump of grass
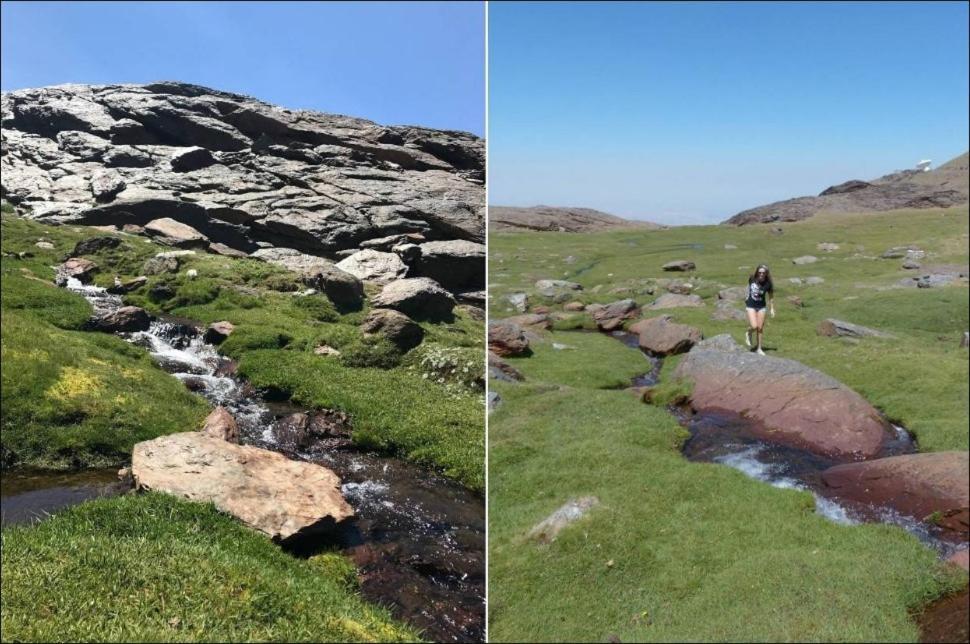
147,567
378,353
456,368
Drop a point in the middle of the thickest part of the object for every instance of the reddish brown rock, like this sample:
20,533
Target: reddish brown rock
934,486
960,558
660,336
506,338
220,424
538,320
786,402
217,332
77,267
573,306
499,369
612,316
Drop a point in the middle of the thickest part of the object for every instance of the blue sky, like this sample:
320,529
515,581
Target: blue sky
394,63
691,112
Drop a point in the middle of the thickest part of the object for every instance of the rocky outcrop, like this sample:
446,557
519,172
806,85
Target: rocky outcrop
311,430
242,174
940,188
456,264
660,336
931,487
265,490
551,218
784,401
558,290
316,272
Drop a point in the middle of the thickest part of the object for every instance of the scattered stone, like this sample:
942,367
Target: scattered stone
828,247
722,342
507,339
558,290
374,266
499,369
173,233
419,297
795,301
194,158
340,287
126,318
965,340
220,424
612,316
679,265
672,301
45,245
797,281
222,249
326,350
680,288
217,332
660,336
92,245
804,259
786,402
574,306
79,268
309,431
960,558
265,490
519,301
549,528
537,319
911,264
398,328
159,265
128,286
814,280
832,328
730,247
725,311
733,294
931,486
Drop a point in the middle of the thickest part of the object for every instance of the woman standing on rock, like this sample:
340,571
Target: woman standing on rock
761,293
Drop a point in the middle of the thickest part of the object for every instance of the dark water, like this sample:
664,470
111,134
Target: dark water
29,496
417,538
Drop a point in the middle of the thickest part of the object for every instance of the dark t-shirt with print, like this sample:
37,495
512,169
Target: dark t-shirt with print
756,294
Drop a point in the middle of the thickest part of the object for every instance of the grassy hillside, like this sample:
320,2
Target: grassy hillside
77,405
690,551
153,568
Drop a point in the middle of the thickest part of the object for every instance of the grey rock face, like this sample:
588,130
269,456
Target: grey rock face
239,171
395,326
418,297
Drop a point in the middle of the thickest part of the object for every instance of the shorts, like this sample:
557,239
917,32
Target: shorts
754,305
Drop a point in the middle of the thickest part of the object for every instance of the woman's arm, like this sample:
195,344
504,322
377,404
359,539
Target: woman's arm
770,295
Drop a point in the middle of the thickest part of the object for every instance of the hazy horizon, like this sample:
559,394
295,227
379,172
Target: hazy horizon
692,112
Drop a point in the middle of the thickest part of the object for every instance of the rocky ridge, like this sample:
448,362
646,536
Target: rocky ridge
942,187
551,218
201,168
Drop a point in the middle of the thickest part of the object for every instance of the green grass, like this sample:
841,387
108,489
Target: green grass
439,424
689,551
898,376
150,567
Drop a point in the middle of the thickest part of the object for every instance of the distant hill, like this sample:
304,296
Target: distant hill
945,186
551,218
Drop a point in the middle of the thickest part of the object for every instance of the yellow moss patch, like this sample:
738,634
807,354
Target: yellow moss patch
74,383
361,633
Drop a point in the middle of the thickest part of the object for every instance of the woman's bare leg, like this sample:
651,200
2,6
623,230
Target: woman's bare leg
760,315
752,324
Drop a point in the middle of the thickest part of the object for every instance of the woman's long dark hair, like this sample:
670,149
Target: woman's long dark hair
768,284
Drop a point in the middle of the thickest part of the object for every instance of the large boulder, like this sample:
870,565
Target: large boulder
418,297
340,286
612,316
268,492
192,158
311,430
124,319
217,332
173,233
455,264
395,326
660,336
785,402
932,487
499,369
374,266
94,244
507,339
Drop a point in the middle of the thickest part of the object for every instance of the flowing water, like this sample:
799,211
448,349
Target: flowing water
418,539
725,439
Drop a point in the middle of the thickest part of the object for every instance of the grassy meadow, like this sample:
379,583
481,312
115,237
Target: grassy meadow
692,551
